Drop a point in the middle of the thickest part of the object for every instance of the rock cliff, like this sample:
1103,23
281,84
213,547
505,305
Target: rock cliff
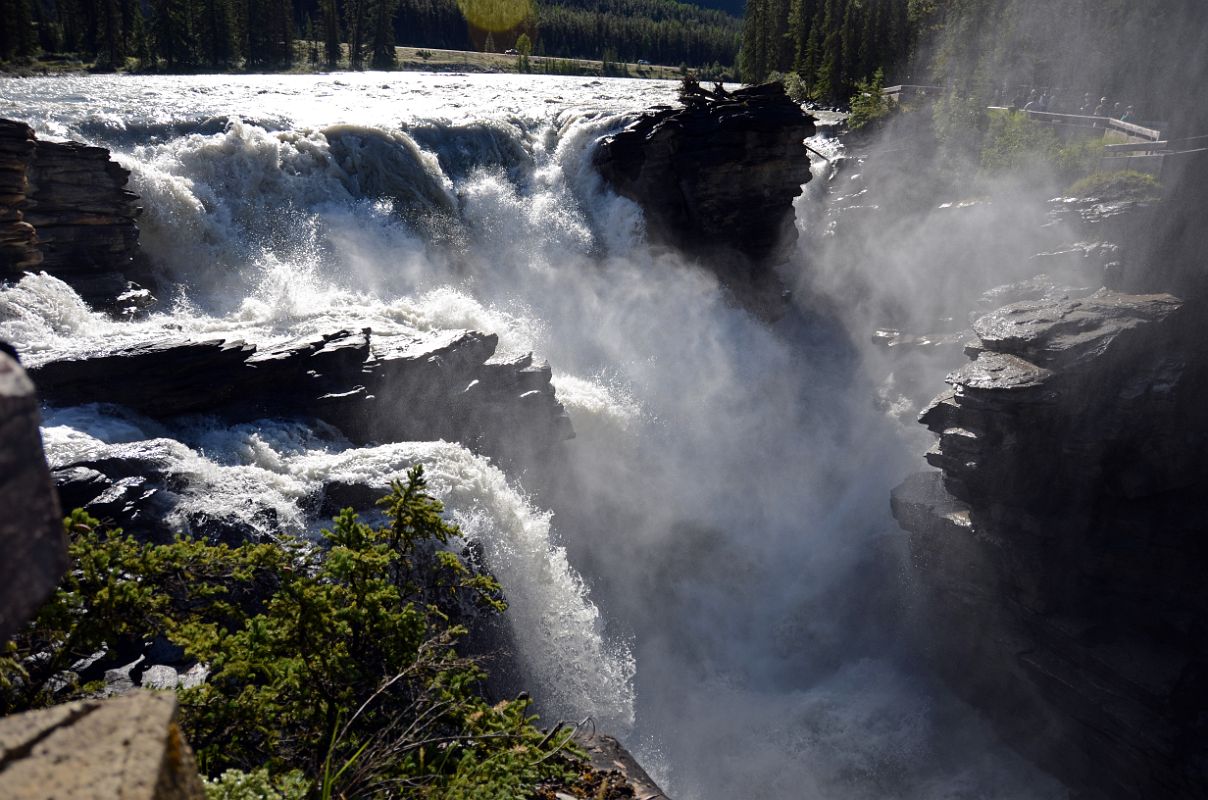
717,177
65,209
1059,551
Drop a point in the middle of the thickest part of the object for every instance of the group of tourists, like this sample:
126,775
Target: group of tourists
1051,100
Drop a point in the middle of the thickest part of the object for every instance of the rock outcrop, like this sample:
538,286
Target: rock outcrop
31,528
64,208
18,241
128,747
610,757
717,177
1059,550
429,386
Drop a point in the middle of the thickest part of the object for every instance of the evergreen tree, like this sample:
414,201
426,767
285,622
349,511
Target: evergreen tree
173,30
216,33
110,49
140,44
18,39
382,47
331,33
354,22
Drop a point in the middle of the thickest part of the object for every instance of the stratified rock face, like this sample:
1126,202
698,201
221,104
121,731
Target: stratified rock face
424,387
716,178
18,243
84,217
64,208
1060,550
33,550
128,747
1179,256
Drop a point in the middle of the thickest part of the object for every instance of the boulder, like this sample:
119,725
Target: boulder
128,747
31,527
717,177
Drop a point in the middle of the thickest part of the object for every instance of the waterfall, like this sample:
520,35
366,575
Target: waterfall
699,581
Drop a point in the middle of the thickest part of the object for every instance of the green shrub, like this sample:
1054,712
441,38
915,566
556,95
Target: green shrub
868,103
794,87
1119,185
258,785
332,667
1014,143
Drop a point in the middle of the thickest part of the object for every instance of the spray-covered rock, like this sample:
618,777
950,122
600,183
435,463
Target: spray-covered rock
1059,551
716,177
64,208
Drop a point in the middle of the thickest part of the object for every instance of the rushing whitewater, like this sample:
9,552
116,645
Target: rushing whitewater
703,577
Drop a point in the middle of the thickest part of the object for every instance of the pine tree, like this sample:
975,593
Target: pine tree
173,29
216,33
110,50
354,23
140,44
749,67
18,38
331,33
382,47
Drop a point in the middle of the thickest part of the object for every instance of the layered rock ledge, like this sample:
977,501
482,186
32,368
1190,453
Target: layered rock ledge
421,387
717,177
65,209
1059,552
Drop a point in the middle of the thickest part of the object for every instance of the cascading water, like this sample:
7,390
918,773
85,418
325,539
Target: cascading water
707,585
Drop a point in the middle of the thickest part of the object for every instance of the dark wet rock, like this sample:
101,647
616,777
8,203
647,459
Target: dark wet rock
1059,548
31,529
338,495
78,485
131,488
716,178
1175,259
1038,287
65,209
18,240
421,387
161,378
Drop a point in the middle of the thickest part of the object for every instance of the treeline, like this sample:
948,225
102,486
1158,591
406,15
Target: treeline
1150,55
187,35
654,30
830,44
